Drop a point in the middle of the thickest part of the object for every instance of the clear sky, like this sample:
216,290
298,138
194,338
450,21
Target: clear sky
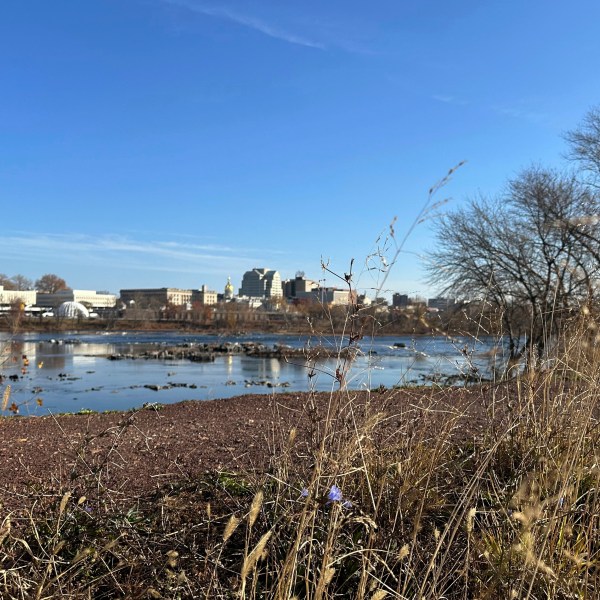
153,143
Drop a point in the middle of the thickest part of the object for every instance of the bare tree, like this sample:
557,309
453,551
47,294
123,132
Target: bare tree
532,254
585,145
6,282
50,283
20,282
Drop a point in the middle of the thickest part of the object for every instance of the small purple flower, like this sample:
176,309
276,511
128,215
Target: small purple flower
335,494
304,493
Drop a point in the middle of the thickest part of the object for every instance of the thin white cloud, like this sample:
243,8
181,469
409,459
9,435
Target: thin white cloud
449,99
520,113
126,253
247,21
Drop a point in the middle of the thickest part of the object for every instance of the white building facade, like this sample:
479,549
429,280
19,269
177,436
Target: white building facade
27,297
261,283
87,297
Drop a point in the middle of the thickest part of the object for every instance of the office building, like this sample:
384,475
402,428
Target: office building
261,283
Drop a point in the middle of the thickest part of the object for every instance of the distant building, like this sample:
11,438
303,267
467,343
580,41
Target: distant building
27,297
441,303
261,283
364,300
155,297
299,287
204,296
72,310
332,296
417,301
229,292
400,300
89,298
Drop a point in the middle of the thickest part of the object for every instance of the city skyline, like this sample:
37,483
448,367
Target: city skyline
321,284
158,143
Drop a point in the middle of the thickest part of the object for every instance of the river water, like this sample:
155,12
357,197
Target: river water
71,372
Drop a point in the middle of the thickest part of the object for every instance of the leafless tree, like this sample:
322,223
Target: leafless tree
6,282
532,254
20,282
585,146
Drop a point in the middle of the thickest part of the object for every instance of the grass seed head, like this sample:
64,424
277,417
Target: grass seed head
231,526
252,558
255,507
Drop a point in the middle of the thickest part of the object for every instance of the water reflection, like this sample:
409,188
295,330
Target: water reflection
229,363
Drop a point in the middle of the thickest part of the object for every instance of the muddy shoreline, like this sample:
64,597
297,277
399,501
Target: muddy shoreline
136,452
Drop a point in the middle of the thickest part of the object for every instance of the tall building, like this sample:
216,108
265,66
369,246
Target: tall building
261,283
400,300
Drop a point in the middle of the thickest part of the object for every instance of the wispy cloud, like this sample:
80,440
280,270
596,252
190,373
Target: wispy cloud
449,100
127,253
250,22
520,112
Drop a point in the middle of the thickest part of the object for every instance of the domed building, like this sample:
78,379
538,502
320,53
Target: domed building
73,310
229,291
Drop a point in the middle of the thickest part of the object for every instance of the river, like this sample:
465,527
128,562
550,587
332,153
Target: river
71,372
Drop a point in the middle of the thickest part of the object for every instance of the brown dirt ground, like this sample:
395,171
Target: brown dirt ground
135,453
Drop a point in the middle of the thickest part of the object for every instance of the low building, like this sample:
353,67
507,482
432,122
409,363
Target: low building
155,297
27,297
299,286
89,298
204,296
72,310
364,300
441,303
328,296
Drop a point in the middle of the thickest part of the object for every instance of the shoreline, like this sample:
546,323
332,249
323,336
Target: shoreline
416,328
432,332
138,451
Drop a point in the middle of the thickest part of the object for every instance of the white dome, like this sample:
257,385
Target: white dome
72,310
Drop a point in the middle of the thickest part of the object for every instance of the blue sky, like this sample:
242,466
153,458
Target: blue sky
151,143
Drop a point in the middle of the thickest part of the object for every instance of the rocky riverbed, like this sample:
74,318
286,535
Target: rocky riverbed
208,352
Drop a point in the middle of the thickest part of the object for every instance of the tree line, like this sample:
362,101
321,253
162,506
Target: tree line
48,283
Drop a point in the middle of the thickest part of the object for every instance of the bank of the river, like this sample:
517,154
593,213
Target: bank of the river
133,453
302,327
